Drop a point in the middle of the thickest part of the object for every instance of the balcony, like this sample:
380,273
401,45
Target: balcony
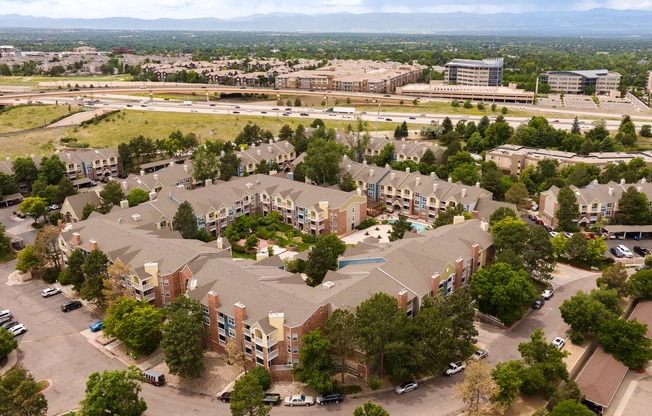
259,354
248,344
221,331
220,319
271,342
272,355
259,341
247,332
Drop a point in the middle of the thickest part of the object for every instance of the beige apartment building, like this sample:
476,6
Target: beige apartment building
648,82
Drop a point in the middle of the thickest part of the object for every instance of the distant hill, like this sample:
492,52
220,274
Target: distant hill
594,22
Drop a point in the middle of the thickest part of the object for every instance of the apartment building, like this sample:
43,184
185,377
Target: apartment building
411,194
268,310
576,82
648,82
480,73
91,164
281,153
512,159
173,175
596,201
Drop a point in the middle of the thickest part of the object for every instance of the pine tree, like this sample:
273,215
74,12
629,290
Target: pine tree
184,220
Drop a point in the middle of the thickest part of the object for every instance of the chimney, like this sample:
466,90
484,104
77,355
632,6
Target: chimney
242,148
371,173
222,153
348,168
434,283
269,149
152,195
358,191
92,245
450,180
407,170
475,255
639,188
156,176
387,166
186,168
364,162
258,152
142,172
402,299
371,141
287,144
171,164
124,204
433,175
271,141
463,192
76,240
418,180
403,146
125,185
345,157
213,300
328,284
208,182
622,181
644,180
477,184
458,219
459,270
434,187
393,175
220,243
611,190
484,225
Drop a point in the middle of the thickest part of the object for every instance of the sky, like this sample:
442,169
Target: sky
187,9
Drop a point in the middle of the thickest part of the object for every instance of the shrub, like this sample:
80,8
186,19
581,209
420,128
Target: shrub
50,275
263,377
263,234
367,223
352,389
375,383
308,239
238,248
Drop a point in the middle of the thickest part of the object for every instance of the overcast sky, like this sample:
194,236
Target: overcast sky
185,9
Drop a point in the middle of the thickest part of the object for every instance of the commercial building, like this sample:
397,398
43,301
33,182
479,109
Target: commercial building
443,91
484,73
648,82
602,81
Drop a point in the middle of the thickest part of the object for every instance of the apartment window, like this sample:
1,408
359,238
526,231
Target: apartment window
166,282
231,320
167,293
231,332
295,350
289,349
295,337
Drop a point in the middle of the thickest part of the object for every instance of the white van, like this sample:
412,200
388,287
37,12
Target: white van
154,377
187,102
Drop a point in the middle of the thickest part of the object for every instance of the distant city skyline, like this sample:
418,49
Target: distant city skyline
188,9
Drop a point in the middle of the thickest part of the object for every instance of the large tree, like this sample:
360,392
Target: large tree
137,196
33,207
205,164
640,284
568,210
539,255
95,270
510,239
340,330
247,397
110,196
322,161
509,379
24,170
517,194
370,409
74,273
386,155
114,393
585,313
627,341
633,208
543,363
20,395
137,324
114,284
323,257
570,407
614,277
183,337
316,363
46,246
7,343
184,220
477,389
27,260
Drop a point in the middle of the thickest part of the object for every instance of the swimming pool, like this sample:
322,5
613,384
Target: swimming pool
415,225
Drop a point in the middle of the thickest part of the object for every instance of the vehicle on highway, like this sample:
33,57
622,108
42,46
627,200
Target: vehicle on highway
454,368
626,252
559,342
616,252
97,326
275,109
299,400
304,114
154,377
17,329
226,397
235,112
412,118
211,105
548,293
263,112
406,386
129,105
285,114
9,324
288,109
71,305
480,354
641,251
388,119
538,304
330,398
387,95
50,291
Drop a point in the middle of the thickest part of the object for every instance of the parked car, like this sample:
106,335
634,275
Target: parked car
5,315
21,215
554,234
299,400
154,377
548,293
97,326
70,305
538,221
638,237
330,398
616,252
548,228
9,324
50,291
535,207
454,368
641,251
559,342
567,234
226,397
406,386
538,304
272,399
480,354
17,329
626,252
642,267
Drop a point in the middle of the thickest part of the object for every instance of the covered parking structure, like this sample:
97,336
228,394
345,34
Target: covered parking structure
12,199
637,232
600,379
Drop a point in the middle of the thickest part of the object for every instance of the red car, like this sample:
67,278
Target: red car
539,222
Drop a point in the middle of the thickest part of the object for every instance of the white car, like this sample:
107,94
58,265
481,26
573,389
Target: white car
17,329
625,251
554,234
559,342
406,386
50,291
299,400
547,294
567,234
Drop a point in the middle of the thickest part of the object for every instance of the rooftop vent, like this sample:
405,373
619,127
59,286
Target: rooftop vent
328,285
136,217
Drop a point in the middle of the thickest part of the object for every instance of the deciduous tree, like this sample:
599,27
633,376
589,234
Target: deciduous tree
539,255
518,195
46,246
568,210
316,363
137,324
477,389
19,394
614,277
33,207
627,341
137,197
183,337
370,409
113,393
27,260
584,314
247,398
7,343
322,161
114,284
570,408
640,284
205,165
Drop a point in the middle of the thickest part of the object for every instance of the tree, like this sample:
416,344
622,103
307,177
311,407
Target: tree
378,321
27,260
575,128
640,284
543,364
467,173
5,242
346,183
614,277
399,228
114,284
24,170
228,165
236,353
95,271
52,170
633,208
19,394
137,197
510,239
88,210
299,139
570,408
539,255
285,133
114,393
502,292
477,389
568,210
182,338
33,207
7,185
447,125
569,391
626,341
386,155
205,164
596,249
340,330
646,130
7,343
46,246
370,409
316,363
137,324
448,216
185,221
518,195
584,313
577,248
501,213
247,398
428,158
323,257
74,274
322,161
110,196
509,379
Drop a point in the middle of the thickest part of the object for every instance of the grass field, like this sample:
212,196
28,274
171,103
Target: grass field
27,117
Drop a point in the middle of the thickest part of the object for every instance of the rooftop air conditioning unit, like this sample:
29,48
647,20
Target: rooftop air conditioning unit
136,217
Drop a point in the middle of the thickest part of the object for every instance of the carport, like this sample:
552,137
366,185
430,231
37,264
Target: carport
12,199
634,231
600,379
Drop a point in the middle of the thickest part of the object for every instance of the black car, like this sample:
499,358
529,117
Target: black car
226,397
616,252
538,304
641,251
330,398
70,305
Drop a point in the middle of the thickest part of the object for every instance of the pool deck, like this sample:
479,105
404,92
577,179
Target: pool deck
379,230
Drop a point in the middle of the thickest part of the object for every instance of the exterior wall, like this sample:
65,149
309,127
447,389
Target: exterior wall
648,82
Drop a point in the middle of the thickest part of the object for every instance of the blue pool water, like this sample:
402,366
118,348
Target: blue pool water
416,226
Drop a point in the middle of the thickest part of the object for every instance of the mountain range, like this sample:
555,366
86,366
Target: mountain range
595,22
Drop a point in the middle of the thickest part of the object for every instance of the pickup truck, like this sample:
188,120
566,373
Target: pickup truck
454,368
272,399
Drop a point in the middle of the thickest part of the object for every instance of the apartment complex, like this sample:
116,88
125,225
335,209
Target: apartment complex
444,91
92,164
512,159
281,153
602,81
596,201
354,76
480,73
411,194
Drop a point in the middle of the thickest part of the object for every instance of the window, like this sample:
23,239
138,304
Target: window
231,332
231,320
295,350
295,337
289,349
166,282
